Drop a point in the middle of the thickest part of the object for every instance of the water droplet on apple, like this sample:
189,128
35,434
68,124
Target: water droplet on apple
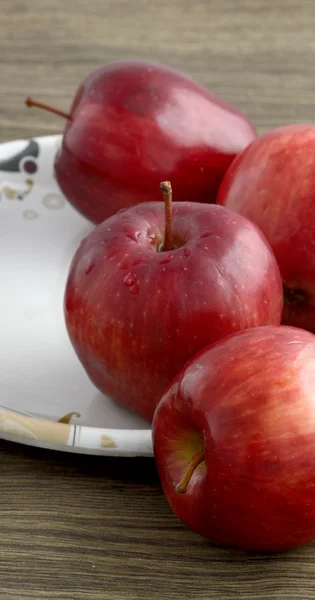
134,289
122,265
187,252
138,260
129,280
205,234
89,267
167,259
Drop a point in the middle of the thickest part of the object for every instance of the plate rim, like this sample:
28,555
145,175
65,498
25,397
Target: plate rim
80,439
84,439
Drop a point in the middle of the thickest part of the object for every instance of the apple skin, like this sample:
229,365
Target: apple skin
249,402
272,184
135,315
136,123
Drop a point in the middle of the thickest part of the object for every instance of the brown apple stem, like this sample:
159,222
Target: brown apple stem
166,189
198,458
31,102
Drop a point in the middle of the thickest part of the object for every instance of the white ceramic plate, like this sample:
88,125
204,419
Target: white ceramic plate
41,379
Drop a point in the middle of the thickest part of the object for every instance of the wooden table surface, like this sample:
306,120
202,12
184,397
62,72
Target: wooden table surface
74,527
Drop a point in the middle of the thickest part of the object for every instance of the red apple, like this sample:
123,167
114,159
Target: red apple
272,184
234,440
140,302
133,123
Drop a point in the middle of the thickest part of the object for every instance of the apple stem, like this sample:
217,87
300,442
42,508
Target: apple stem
31,102
166,190
198,458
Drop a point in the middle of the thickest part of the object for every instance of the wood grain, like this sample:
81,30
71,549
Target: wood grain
74,527
258,54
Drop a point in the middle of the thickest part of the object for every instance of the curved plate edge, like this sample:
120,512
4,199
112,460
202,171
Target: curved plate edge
80,439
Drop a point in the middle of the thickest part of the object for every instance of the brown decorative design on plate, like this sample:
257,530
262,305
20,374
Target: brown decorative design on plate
33,428
24,161
67,418
18,193
107,442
